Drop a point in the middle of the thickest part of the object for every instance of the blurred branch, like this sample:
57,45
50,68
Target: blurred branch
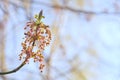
14,70
6,12
73,9
62,7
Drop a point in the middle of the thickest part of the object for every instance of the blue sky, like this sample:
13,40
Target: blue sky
96,42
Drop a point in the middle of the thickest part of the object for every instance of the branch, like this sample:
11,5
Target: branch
6,12
73,9
14,70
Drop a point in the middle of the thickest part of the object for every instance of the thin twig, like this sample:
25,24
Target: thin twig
14,70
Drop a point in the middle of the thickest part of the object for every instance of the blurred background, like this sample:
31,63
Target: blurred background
85,39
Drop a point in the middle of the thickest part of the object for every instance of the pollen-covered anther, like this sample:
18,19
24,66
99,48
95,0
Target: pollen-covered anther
41,67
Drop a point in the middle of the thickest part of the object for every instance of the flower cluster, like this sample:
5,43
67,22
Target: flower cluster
37,37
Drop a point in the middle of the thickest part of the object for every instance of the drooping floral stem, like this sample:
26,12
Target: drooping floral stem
37,37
